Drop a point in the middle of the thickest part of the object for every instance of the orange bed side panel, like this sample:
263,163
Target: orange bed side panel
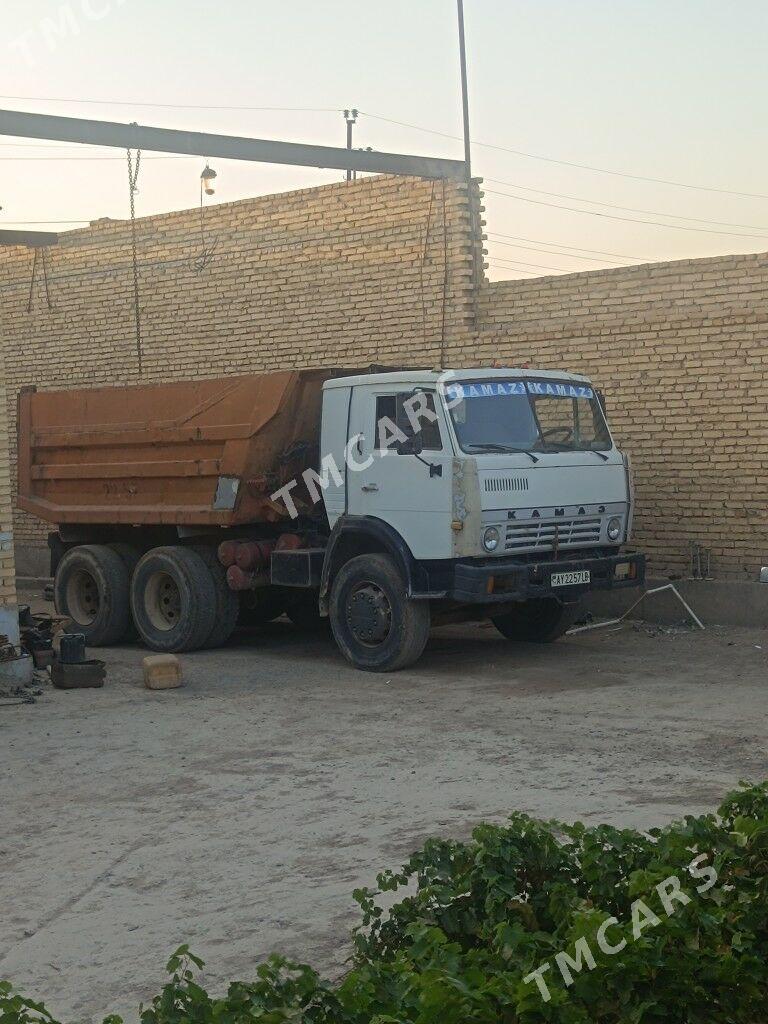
194,452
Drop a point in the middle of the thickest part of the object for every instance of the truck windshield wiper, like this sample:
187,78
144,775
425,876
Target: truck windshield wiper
502,449
568,448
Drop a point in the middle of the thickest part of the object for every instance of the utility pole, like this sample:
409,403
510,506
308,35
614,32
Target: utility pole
474,226
350,116
465,92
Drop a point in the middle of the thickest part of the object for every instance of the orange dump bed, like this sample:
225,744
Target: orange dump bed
197,452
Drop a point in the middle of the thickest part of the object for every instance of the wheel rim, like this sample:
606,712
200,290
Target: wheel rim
369,614
83,599
162,601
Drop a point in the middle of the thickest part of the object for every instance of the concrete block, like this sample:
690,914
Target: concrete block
162,672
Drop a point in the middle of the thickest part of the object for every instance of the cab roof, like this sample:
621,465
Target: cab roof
410,377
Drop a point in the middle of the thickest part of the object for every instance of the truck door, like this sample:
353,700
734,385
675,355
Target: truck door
410,492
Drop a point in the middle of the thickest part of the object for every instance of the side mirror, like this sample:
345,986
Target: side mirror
411,445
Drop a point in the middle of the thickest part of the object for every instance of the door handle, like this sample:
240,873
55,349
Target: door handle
370,487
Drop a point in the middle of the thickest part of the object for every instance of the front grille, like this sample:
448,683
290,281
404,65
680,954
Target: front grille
499,484
533,534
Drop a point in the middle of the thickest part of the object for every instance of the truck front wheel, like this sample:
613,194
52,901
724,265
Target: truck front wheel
539,621
91,589
173,599
377,627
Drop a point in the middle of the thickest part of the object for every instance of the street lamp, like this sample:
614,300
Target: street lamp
207,179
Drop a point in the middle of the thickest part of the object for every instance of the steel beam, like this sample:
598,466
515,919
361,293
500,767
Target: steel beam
34,239
171,140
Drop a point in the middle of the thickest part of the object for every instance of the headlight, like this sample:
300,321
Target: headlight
491,538
614,529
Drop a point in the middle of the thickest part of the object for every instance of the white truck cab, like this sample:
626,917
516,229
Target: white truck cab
499,492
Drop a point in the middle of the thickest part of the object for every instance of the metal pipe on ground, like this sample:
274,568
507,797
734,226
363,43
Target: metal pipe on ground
647,593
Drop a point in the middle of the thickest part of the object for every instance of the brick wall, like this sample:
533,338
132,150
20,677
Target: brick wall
680,350
7,581
379,270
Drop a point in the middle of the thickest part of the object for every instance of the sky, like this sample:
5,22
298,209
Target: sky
672,90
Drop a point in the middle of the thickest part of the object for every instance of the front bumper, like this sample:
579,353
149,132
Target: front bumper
499,580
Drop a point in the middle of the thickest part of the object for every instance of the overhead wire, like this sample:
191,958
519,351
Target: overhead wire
627,220
84,159
539,266
172,106
402,124
50,145
515,270
525,273
570,163
530,248
628,209
564,245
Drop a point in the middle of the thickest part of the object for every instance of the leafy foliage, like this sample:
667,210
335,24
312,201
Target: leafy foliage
476,919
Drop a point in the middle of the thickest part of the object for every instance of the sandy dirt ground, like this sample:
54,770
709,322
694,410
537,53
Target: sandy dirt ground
239,813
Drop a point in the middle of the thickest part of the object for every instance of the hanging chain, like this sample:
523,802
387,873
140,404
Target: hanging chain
43,252
32,281
207,252
45,278
133,177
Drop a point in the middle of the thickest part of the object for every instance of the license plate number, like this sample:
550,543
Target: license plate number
570,579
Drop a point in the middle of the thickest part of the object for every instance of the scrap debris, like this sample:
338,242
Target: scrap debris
648,593
7,651
71,670
67,669
24,693
37,635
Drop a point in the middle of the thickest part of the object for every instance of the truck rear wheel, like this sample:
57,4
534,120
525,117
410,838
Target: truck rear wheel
91,588
539,621
377,627
173,599
130,556
227,602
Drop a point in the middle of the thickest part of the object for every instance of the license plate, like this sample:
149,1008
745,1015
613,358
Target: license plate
570,579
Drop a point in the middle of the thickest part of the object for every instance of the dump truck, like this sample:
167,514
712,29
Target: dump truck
379,503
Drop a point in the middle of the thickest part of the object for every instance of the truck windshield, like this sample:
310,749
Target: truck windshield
527,415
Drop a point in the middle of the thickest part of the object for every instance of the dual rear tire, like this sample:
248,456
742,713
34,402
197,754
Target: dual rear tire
175,598
92,588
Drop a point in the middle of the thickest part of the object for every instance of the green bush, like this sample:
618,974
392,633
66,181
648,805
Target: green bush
478,918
